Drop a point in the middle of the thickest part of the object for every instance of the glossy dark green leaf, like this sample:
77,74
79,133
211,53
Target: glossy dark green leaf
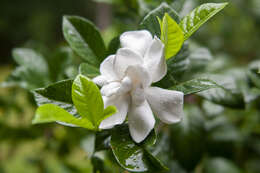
195,86
176,68
131,156
228,95
161,147
188,138
102,141
88,70
180,63
150,21
199,16
88,101
58,93
52,113
84,38
114,44
220,165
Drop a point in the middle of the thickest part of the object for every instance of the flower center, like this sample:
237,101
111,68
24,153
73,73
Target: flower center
117,88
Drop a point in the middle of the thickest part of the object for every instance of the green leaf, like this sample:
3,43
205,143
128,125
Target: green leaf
171,35
150,21
176,66
219,130
51,113
199,16
188,138
32,72
161,147
178,5
84,38
58,93
253,74
131,156
103,140
22,77
59,61
88,70
228,94
220,165
195,86
199,59
88,101
114,44
212,109
32,60
110,110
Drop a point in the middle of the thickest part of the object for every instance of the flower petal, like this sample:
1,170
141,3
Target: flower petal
110,89
124,58
100,80
138,96
139,76
141,121
136,40
154,60
167,105
107,68
121,104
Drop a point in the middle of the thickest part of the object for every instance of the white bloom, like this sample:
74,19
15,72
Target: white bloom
126,80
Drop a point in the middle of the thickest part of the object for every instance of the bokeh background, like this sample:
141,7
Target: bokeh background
233,35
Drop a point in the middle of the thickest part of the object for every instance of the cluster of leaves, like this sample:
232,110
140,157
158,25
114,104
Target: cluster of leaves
204,137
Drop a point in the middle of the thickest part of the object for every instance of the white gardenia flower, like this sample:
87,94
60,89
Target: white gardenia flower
126,80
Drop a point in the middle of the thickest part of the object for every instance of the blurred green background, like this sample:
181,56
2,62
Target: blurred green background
233,35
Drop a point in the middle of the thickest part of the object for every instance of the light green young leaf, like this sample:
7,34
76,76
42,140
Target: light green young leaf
160,21
88,101
108,111
199,16
51,113
84,38
171,35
